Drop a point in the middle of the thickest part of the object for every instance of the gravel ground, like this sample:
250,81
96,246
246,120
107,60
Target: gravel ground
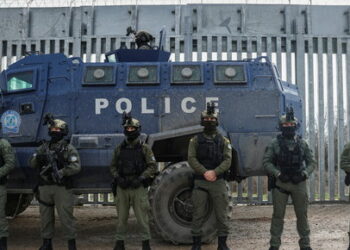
249,229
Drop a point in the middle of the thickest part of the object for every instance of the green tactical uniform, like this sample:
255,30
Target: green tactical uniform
345,165
133,197
202,188
7,161
282,190
52,194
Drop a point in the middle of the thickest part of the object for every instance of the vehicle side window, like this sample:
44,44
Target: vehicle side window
230,74
20,81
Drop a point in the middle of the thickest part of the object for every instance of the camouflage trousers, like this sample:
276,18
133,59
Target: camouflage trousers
200,196
138,200
3,220
63,200
300,199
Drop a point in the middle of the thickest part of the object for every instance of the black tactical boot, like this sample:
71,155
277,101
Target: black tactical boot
119,245
305,248
349,241
71,244
273,248
47,244
3,243
222,243
145,245
197,243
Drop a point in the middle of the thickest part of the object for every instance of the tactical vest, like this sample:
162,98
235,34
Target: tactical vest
3,180
289,161
210,152
131,160
61,159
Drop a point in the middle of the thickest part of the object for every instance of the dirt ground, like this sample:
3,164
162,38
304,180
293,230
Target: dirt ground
249,229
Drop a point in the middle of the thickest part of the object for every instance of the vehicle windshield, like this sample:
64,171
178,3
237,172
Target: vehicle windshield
20,81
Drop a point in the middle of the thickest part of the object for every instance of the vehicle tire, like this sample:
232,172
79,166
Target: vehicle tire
17,203
170,199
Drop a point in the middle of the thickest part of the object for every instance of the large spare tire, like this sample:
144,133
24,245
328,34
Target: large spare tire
170,199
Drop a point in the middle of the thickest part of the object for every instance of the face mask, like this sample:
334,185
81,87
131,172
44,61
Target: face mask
288,132
132,135
56,136
209,126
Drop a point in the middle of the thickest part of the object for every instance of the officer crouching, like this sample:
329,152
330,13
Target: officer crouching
289,162
57,162
133,167
209,155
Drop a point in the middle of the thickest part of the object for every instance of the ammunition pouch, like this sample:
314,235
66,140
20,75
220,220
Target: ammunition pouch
3,180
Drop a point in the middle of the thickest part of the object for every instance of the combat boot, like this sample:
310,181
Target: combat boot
222,243
197,243
47,244
145,245
273,248
71,244
119,245
349,241
3,243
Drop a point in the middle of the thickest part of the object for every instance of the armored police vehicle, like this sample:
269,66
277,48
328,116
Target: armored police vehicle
167,98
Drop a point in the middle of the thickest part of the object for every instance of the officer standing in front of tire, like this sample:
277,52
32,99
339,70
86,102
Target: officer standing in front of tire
57,162
7,163
210,155
133,167
289,162
345,165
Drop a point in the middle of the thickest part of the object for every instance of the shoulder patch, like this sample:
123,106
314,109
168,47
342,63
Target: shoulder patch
73,158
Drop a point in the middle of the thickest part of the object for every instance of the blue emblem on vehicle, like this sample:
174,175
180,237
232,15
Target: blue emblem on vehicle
11,121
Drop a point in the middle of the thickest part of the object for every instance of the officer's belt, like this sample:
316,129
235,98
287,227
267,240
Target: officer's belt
201,177
282,190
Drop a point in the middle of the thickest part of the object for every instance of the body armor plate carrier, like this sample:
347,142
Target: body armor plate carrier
210,151
131,160
290,161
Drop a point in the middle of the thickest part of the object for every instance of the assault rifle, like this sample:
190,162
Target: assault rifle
51,169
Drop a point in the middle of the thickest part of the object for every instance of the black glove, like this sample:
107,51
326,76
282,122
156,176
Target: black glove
42,159
283,177
347,179
137,182
299,178
122,182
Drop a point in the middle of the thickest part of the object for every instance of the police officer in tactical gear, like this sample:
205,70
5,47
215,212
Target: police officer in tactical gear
210,155
142,38
289,162
133,167
57,162
345,165
7,163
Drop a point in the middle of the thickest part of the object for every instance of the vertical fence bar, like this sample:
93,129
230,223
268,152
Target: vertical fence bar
229,48
1,55
209,48
279,53
330,119
219,48
311,118
177,49
199,48
269,47
9,53
341,135
88,49
239,48
289,59
321,125
98,49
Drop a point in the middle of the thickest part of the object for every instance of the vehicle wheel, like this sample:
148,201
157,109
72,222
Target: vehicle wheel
170,199
17,203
